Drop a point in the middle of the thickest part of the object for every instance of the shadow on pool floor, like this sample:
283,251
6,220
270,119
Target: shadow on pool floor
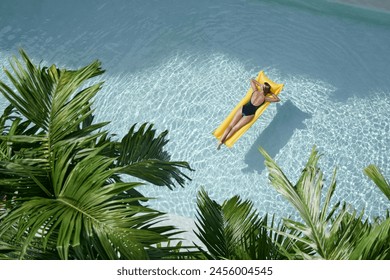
276,135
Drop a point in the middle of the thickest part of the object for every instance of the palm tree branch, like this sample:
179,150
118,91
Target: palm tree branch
376,176
142,155
306,198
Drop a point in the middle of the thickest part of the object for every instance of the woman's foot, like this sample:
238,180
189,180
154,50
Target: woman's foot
219,145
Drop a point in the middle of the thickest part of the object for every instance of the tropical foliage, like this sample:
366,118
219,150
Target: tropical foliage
61,187
330,232
63,194
325,230
235,231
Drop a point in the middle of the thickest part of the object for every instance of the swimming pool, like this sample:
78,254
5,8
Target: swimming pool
198,56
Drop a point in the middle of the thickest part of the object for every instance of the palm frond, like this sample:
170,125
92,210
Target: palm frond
50,97
375,244
326,232
376,176
62,174
56,112
11,248
233,230
83,202
142,155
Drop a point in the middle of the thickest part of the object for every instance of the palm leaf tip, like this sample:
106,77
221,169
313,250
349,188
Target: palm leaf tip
48,97
373,172
141,154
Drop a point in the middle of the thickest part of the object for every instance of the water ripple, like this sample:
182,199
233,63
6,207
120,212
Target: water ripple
190,94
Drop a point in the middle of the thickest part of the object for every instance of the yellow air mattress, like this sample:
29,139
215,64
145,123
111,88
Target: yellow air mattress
275,88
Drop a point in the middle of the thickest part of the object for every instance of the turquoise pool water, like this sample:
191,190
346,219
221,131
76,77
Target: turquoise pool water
198,56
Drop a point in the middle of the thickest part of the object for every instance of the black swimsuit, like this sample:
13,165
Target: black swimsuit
249,109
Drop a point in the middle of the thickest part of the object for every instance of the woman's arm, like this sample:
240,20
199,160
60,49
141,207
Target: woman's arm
253,84
256,82
273,99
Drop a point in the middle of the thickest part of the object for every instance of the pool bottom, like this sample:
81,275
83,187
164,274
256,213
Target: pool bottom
186,101
191,94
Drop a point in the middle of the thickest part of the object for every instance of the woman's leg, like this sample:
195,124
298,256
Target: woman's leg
235,120
243,121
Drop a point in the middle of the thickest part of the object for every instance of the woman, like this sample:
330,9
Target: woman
247,112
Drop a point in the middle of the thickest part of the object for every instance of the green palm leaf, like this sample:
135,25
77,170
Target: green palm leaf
376,176
16,144
48,97
83,202
375,244
233,230
55,109
63,177
142,155
327,233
